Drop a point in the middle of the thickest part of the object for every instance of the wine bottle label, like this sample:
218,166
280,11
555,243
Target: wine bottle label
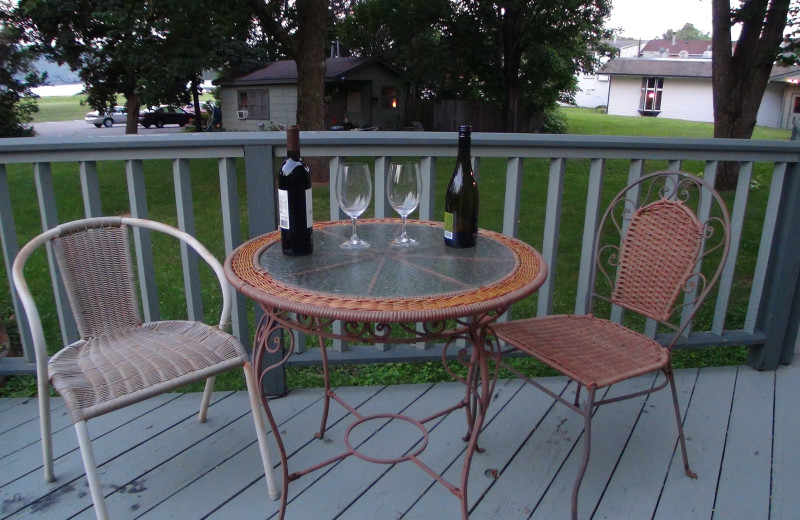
448,225
283,208
309,209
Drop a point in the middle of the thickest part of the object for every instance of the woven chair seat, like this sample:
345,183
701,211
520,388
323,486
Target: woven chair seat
592,351
113,370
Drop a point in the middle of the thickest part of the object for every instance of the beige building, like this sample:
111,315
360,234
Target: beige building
369,92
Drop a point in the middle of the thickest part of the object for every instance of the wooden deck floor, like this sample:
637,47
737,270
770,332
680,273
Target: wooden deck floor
157,462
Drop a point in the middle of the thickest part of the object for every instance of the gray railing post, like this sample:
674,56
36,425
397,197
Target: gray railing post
780,308
260,179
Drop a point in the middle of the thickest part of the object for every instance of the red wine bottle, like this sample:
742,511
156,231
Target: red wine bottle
294,199
461,199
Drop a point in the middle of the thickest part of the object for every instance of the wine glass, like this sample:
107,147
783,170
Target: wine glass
403,190
354,191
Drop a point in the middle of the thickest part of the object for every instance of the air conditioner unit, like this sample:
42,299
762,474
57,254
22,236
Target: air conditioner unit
241,114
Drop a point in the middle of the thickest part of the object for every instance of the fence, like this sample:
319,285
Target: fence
769,312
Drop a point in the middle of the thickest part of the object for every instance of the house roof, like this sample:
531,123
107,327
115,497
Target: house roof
692,47
285,71
678,68
665,67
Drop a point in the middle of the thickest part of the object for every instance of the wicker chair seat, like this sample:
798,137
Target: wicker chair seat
113,370
592,351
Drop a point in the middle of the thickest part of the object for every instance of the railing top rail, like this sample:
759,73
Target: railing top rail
330,143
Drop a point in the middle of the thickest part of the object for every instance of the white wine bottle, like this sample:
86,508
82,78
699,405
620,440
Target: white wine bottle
461,199
294,199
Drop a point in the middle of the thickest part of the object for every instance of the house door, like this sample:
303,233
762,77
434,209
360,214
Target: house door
794,117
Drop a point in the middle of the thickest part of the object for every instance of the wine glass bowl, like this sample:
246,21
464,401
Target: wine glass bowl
354,192
403,189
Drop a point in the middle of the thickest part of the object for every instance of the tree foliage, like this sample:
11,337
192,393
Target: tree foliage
687,32
741,72
300,29
416,46
17,78
513,53
146,51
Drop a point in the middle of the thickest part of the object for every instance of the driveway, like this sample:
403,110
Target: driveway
79,128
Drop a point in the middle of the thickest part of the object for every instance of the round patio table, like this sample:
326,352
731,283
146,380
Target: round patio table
386,294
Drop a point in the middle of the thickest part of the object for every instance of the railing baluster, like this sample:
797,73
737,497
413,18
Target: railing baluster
43,176
765,247
593,202
552,221
428,201
8,240
737,222
259,178
182,178
336,213
90,187
382,206
141,240
514,166
635,172
703,212
232,237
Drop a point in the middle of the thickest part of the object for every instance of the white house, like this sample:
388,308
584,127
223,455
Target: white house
681,89
593,88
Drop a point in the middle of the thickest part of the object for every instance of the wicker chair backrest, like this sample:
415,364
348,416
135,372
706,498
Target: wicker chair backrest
658,255
97,271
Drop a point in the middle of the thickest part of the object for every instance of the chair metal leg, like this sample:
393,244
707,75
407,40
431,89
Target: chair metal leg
261,432
206,401
679,421
587,448
45,429
92,475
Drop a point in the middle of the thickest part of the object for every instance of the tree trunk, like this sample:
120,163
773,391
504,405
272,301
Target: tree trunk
512,62
740,77
310,58
132,106
198,114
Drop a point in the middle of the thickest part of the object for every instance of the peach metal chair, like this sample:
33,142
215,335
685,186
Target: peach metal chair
651,249
119,360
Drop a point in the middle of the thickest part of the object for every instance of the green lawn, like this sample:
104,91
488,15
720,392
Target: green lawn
69,108
587,121
492,183
61,108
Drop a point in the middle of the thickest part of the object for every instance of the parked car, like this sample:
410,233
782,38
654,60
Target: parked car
205,106
164,115
116,115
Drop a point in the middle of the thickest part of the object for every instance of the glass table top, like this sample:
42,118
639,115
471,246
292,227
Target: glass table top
383,271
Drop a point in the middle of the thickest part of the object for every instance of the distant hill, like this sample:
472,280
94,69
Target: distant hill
56,74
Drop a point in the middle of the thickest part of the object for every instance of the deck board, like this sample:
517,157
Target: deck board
744,481
156,460
786,444
705,426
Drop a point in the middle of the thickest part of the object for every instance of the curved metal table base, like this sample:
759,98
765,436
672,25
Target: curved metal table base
479,386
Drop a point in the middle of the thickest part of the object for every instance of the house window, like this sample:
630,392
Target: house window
254,103
652,89
389,97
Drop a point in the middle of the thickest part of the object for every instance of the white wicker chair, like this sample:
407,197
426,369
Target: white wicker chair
120,360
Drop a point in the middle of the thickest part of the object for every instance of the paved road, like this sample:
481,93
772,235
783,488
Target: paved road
79,128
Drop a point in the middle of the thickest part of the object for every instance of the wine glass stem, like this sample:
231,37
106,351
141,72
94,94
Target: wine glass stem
403,227
354,237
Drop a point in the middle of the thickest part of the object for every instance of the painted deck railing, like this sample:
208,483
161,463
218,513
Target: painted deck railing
770,323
